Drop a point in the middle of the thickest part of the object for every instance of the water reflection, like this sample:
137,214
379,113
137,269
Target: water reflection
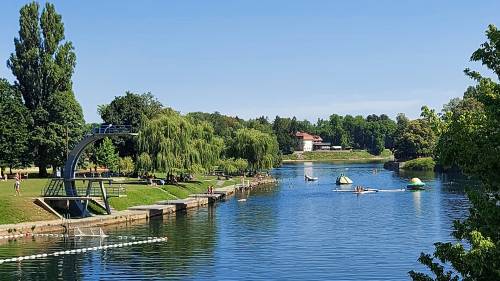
308,169
194,232
416,202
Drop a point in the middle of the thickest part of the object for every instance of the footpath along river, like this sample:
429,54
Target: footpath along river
295,231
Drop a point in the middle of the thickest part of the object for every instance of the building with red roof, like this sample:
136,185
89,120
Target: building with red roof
309,142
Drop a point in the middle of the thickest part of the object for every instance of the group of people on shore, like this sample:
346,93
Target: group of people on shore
210,189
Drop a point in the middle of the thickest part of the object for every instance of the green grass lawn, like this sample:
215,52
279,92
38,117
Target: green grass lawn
16,209
143,194
338,155
140,195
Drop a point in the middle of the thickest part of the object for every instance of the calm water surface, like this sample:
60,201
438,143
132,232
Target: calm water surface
296,230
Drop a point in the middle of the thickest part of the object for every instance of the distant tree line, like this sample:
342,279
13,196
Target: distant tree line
373,133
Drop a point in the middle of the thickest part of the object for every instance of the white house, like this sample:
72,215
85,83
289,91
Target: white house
305,141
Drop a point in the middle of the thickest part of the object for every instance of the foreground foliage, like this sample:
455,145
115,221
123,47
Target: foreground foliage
471,141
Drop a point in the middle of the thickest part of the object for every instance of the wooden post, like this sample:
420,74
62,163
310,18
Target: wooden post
104,196
87,194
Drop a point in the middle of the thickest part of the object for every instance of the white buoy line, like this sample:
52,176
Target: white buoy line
29,235
148,240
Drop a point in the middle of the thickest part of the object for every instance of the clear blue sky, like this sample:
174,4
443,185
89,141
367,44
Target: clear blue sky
252,58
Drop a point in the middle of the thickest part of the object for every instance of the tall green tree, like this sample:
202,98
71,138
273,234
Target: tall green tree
471,140
417,139
356,128
43,64
174,144
106,155
14,124
433,119
130,109
260,149
285,134
261,123
224,126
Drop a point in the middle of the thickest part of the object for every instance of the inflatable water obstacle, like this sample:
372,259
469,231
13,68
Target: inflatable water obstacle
343,179
416,184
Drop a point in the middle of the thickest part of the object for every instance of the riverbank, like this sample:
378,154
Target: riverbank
128,213
18,209
345,155
419,164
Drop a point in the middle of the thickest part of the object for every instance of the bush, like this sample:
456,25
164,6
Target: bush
420,164
126,165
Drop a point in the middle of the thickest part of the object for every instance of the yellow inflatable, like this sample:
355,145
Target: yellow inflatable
415,180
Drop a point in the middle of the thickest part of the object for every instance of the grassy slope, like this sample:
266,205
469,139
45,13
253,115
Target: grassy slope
138,194
15,209
339,155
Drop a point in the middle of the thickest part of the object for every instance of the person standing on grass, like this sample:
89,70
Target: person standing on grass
17,185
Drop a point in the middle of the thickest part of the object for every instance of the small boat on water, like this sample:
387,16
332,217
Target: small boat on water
416,184
342,179
365,191
362,190
309,178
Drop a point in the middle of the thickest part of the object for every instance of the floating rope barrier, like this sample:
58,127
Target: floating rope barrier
370,190
148,240
30,235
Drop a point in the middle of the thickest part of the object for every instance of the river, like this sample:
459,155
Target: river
295,230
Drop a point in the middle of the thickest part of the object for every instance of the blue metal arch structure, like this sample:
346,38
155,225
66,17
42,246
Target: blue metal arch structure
77,208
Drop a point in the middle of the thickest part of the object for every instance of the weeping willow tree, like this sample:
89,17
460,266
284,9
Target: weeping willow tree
233,166
173,144
260,149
